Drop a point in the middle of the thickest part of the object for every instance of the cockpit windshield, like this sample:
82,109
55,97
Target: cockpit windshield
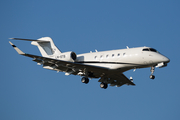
150,49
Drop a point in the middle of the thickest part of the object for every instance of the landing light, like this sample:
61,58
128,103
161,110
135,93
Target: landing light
160,65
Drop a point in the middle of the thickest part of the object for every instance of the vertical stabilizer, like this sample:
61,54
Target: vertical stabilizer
46,47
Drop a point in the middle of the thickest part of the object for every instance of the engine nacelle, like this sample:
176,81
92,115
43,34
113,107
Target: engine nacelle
67,56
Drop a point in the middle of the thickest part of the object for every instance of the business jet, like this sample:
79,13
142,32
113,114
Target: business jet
108,66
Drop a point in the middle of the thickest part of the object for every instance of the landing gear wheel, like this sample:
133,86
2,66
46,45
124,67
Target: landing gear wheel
152,76
103,85
85,80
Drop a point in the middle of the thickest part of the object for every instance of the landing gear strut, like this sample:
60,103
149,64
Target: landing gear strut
85,80
152,71
103,85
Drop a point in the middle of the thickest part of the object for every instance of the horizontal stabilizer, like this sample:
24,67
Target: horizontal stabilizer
29,39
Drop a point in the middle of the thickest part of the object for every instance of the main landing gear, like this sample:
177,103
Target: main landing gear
152,71
103,85
85,80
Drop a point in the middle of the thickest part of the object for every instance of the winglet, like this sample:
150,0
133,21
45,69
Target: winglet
17,49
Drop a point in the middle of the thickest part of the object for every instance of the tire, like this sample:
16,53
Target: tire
85,80
103,85
152,77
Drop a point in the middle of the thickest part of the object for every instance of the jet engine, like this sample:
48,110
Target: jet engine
67,56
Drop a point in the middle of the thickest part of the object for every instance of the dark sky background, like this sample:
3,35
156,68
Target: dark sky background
29,92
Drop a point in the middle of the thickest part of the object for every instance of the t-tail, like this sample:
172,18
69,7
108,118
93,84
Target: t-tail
45,45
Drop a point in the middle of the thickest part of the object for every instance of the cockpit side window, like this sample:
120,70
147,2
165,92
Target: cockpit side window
150,49
146,49
153,50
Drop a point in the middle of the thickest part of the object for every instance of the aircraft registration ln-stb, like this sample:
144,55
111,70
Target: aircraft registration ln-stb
108,66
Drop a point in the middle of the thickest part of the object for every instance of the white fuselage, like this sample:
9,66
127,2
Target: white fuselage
123,58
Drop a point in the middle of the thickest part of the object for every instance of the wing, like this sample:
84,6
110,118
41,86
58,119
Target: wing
65,66
111,77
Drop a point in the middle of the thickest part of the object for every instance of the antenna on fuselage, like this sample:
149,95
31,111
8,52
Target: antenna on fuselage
96,50
127,47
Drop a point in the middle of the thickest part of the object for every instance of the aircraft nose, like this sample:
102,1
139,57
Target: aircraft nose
166,60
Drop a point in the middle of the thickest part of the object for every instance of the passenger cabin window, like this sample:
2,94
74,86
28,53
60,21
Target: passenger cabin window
118,55
150,49
112,55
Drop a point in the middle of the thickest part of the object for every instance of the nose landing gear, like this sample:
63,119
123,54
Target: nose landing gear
152,71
